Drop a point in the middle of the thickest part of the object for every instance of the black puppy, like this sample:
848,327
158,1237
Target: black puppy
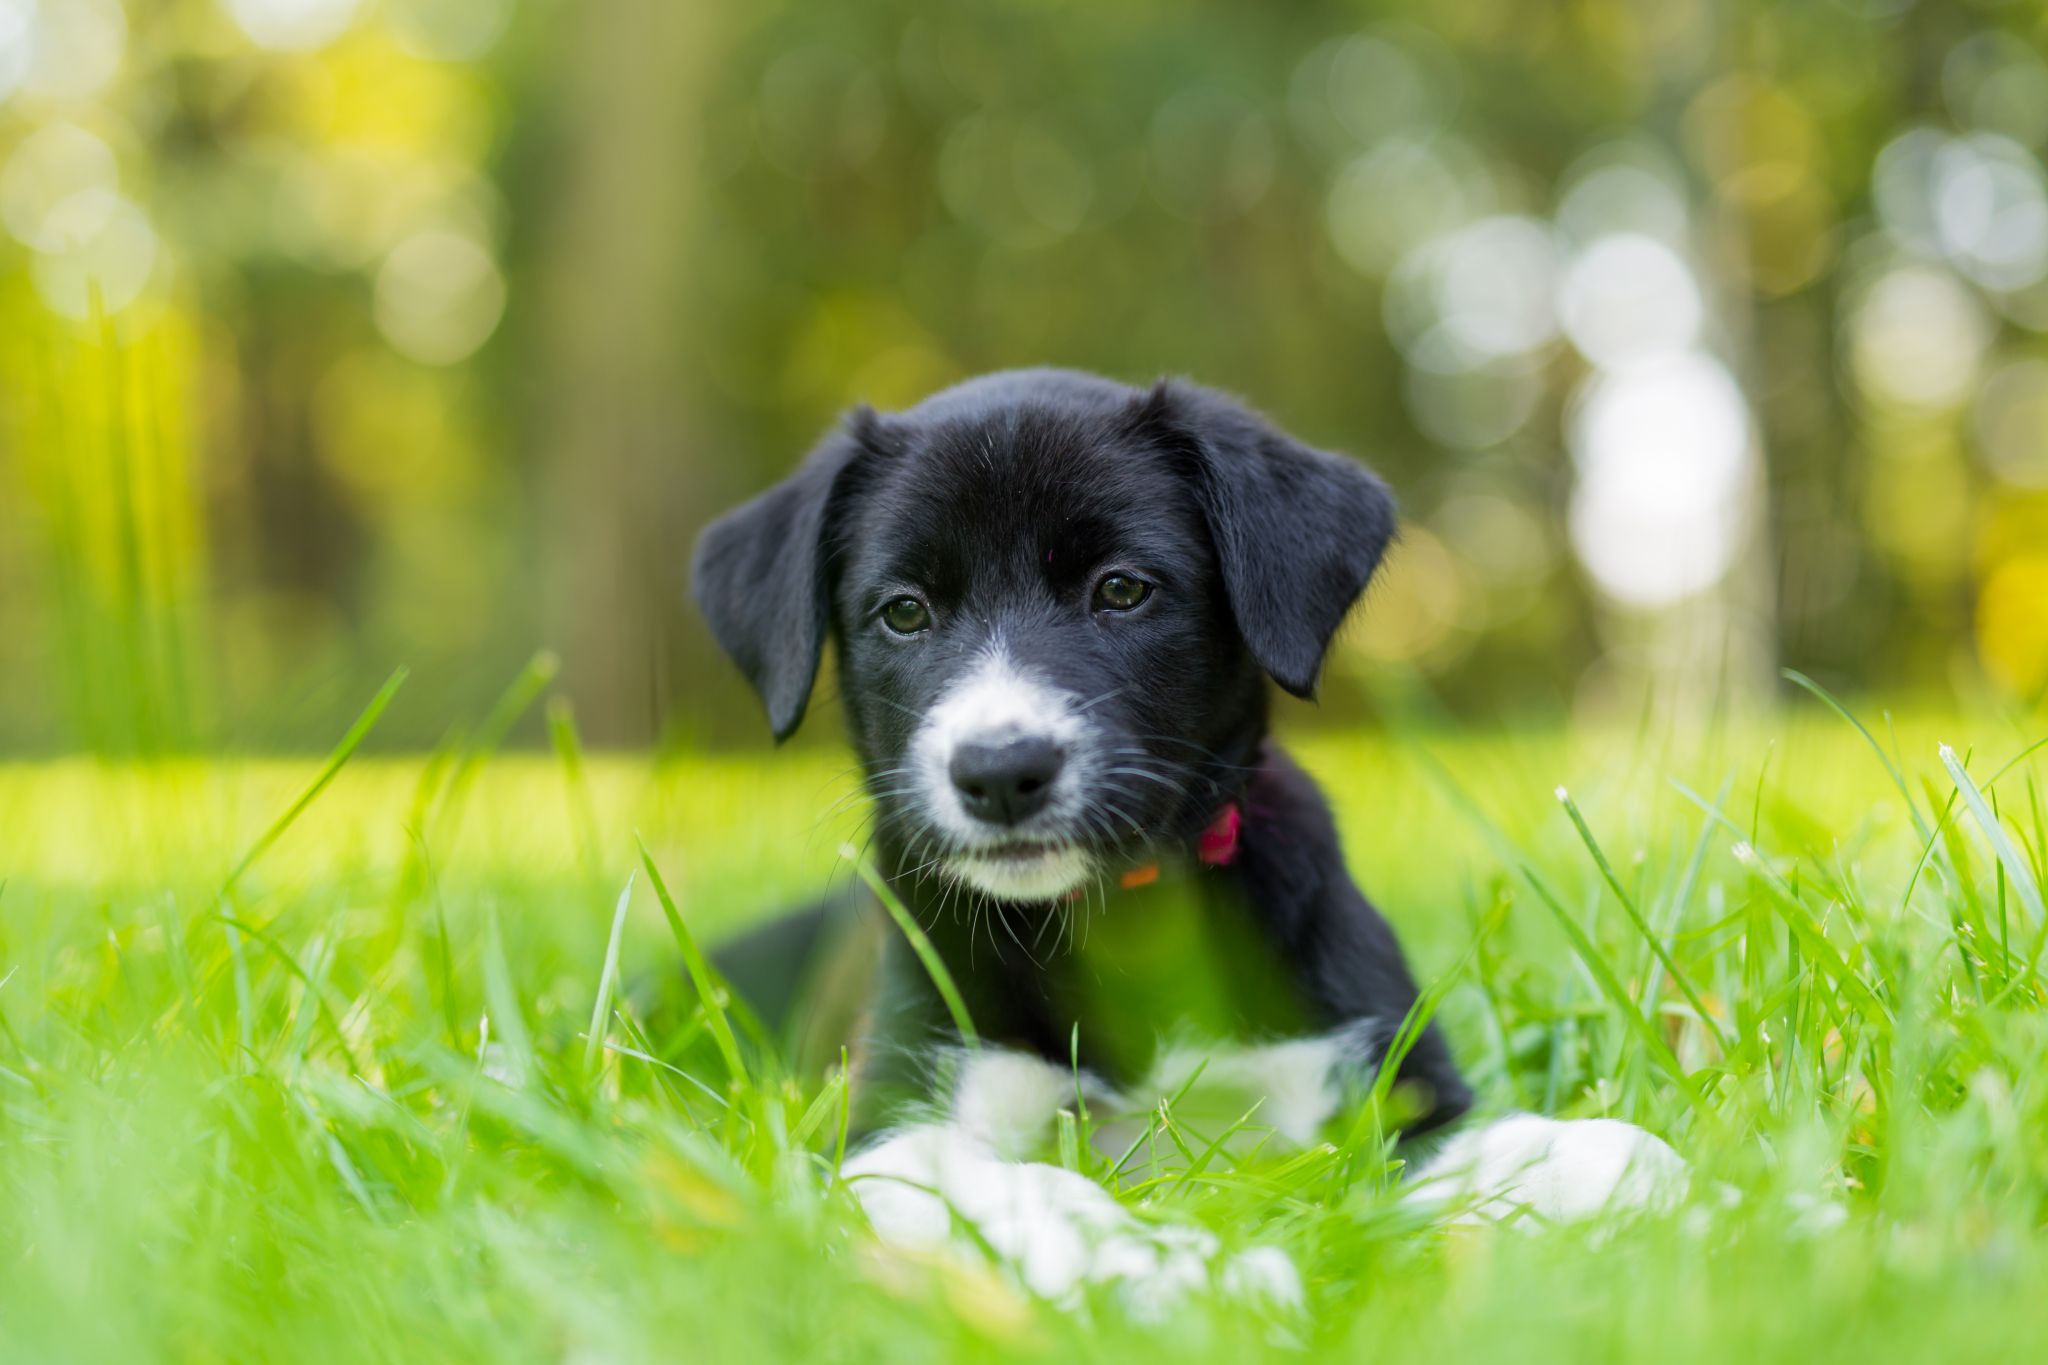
1056,601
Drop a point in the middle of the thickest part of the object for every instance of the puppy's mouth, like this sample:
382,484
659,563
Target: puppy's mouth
1015,851
1022,869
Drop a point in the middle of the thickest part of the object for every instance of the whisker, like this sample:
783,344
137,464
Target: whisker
1177,788
1098,700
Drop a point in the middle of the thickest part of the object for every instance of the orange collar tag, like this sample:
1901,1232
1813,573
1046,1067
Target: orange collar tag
1217,847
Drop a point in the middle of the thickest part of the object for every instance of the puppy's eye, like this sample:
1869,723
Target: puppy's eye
906,616
1120,592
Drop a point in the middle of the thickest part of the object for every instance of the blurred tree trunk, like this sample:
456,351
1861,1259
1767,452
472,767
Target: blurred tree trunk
619,467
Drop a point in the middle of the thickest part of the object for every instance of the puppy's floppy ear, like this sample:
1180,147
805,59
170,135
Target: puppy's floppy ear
761,574
1298,531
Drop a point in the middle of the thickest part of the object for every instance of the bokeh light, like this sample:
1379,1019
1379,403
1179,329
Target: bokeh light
1478,295
1663,454
57,187
17,43
1402,194
293,25
1976,200
439,296
75,47
1363,87
1628,300
108,250
2012,425
1992,211
1917,338
1622,190
449,30
1467,406
1998,82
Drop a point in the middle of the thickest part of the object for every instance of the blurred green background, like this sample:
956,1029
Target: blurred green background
1700,340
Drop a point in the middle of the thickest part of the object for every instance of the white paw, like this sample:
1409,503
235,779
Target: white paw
1059,1230
1263,1275
1558,1170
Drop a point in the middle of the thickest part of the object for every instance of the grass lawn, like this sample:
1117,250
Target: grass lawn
342,1100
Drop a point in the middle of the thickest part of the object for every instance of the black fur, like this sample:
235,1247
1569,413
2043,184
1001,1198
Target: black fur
1001,503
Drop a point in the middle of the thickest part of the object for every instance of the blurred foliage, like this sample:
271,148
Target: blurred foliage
1698,339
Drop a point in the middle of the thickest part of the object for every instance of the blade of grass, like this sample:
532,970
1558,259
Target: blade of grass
1152,1123
1812,939
1642,927
1200,1164
1582,946
1687,882
711,991
569,750
1610,986
600,1012
919,944
642,1055
645,1045
336,760
2017,759
502,995
1927,851
2017,872
512,703
833,1093
318,997
1827,698
845,1115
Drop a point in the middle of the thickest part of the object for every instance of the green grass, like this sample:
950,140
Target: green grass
341,1100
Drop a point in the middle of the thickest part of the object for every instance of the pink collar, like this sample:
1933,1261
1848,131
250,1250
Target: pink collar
1218,845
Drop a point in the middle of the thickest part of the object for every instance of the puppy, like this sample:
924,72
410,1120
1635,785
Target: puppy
1057,603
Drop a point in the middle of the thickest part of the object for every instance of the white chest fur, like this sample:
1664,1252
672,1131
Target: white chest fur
1292,1088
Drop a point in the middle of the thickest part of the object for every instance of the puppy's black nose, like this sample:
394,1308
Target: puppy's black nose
1008,782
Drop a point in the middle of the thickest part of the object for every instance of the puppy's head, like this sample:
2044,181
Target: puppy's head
1055,601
